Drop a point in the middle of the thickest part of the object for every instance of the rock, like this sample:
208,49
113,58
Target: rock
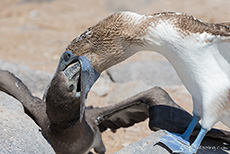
146,146
19,133
149,145
102,86
122,91
152,73
36,81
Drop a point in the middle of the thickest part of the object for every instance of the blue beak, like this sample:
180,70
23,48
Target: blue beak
88,77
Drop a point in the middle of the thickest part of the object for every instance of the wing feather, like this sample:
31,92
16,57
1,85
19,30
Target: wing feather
124,116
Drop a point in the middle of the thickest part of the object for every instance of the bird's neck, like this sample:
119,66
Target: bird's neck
63,118
129,46
66,127
121,35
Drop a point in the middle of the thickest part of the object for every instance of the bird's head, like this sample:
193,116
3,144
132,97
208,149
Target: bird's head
109,42
68,89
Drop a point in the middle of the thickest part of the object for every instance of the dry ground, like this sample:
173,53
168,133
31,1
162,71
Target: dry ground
35,34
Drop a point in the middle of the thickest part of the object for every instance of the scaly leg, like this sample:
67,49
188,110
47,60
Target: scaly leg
195,145
190,128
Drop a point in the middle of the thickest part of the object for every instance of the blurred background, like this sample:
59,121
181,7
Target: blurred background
34,33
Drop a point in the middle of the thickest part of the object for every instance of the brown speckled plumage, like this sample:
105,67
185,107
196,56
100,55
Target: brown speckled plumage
104,44
108,38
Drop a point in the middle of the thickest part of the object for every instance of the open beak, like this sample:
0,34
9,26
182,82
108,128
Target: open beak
66,59
82,70
88,77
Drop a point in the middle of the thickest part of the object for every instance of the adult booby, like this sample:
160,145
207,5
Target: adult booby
198,51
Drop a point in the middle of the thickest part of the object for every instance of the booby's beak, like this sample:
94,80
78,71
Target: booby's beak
66,59
85,73
88,77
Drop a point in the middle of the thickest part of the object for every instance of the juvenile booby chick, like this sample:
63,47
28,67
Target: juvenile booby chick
198,51
65,123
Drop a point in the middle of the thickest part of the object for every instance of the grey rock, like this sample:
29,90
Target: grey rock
122,91
149,145
152,73
19,134
36,81
102,86
145,146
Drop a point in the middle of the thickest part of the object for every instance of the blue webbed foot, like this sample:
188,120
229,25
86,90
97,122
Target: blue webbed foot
180,143
175,142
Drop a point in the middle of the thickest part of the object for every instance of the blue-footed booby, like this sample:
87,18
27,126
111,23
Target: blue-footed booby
198,51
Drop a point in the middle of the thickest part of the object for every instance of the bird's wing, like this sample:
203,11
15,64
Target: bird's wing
123,114
221,29
134,110
188,24
154,103
13,86
217,134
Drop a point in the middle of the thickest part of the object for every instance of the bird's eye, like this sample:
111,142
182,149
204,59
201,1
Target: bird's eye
67,55
71,87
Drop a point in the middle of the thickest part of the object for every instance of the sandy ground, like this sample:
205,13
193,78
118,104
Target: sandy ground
35,34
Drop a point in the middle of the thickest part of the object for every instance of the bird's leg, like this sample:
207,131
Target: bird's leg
180,143
186,135
195,145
